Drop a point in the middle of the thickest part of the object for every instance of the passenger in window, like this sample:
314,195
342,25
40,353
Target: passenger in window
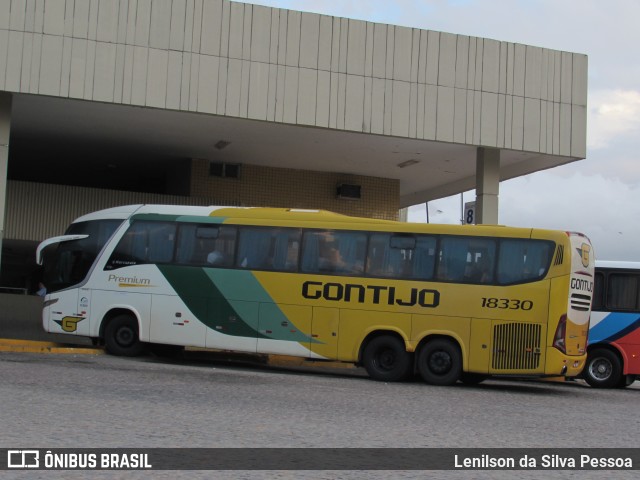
292,259
443,273
481,271
452,271
217,258
357,267
331,260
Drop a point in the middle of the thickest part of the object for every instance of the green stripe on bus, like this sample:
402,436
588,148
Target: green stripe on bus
202,297
209,294
271,316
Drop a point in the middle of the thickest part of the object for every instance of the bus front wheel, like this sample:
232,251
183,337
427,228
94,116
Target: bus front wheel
386,359
603,369
121,336
440,362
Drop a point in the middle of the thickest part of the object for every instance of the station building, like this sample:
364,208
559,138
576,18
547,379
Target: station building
213,102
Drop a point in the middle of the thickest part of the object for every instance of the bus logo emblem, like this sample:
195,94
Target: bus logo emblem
584,251
69,324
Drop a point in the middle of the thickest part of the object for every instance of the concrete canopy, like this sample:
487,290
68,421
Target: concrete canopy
153,138
284,89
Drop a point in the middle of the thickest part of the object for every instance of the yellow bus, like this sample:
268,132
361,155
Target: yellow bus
448,302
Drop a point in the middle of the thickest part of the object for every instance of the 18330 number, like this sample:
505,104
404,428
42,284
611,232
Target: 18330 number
507,303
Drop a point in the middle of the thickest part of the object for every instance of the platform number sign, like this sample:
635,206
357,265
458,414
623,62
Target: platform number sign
470,213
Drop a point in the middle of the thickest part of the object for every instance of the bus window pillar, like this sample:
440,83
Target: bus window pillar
5,124
487,185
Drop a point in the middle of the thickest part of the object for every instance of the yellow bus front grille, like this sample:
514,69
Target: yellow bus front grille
516,346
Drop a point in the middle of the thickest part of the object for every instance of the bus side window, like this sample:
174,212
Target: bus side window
598,292
523,260
622,292
162,237
144,242
453,258
467,259
481,270
389,255
334,252
131,249
268,248
424,258
378,254
206,245
401,256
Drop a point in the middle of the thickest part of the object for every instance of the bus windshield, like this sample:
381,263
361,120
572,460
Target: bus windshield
67,263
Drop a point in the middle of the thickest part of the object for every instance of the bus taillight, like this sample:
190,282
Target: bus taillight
561,331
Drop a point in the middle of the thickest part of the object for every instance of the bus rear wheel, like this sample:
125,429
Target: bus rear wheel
386,359
603,369
440,362
121,336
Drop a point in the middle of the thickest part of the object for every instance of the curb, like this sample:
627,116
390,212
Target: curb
30,346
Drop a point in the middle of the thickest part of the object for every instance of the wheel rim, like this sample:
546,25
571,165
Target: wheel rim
440,362
386,359
600,369
125,336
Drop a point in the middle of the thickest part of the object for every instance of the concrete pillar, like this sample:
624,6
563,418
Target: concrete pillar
5,124
487,185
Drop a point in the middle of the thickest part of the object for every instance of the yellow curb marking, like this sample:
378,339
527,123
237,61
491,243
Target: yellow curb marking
30,346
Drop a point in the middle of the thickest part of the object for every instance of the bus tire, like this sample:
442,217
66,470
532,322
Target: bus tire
121,336
386,359
603,369
440,362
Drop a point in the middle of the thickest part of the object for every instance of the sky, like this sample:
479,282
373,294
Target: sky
598,196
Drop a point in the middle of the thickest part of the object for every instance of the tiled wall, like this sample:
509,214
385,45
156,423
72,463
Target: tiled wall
36,211
278,187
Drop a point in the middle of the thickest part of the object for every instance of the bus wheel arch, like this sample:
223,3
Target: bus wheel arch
604,368
121,334
439,360
384,355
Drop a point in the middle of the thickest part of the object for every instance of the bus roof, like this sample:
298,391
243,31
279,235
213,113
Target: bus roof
126,211
291,217
621,265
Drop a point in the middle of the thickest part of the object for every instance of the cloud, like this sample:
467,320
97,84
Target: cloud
612,114
602,208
